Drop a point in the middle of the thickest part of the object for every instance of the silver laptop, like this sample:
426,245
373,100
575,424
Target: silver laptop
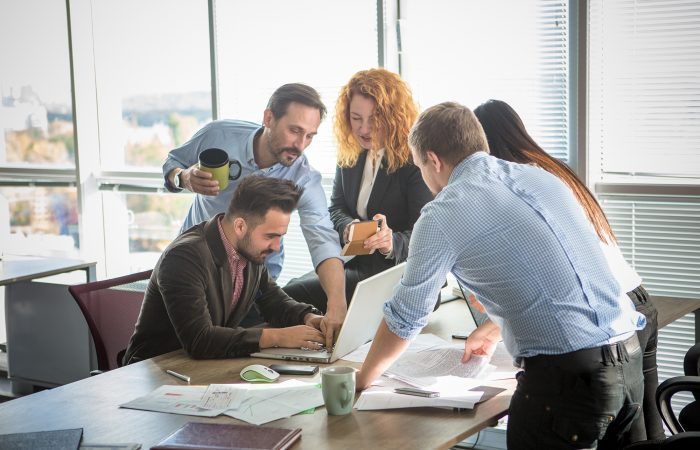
361,322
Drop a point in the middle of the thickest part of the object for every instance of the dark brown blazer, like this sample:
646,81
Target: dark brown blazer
188,302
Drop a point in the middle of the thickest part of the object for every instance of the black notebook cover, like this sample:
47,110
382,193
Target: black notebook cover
42,440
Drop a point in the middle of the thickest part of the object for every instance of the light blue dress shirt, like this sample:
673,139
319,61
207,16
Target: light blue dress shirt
516,237
236,137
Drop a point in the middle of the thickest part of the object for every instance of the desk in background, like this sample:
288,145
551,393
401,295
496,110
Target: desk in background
670,309
92,404
48,342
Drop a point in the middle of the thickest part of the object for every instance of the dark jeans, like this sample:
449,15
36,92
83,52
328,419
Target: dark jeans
307,289
584,399
648,425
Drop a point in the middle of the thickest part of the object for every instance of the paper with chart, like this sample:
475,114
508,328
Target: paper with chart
256,404
175,400
223,396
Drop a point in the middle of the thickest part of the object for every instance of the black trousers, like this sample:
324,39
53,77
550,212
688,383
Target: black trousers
307,288
583,399
649,424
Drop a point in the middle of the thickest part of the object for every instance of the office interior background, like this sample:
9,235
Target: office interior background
96,92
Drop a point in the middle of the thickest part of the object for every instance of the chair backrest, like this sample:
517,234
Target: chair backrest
691,364
111,308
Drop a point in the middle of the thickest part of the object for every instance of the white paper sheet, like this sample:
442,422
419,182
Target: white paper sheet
174,399
265,403
378,397
421,342
223,396
423,368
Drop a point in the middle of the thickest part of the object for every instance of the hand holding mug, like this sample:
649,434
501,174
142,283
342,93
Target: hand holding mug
199,181
212,172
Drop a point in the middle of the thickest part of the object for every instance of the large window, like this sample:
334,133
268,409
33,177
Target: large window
153,85
154,81
264,44
42,221
322,47
36,114
643,140
515,51
37,142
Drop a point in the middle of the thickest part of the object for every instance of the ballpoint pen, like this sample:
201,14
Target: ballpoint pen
178,375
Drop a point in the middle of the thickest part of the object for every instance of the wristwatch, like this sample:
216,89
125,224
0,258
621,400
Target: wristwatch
177,182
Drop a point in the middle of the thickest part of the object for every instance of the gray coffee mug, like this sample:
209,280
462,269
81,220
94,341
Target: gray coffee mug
338,386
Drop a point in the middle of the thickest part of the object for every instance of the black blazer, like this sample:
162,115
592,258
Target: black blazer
400,196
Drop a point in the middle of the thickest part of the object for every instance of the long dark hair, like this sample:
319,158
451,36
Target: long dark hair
509,140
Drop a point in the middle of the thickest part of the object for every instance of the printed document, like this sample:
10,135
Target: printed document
455,392
175,400
424,367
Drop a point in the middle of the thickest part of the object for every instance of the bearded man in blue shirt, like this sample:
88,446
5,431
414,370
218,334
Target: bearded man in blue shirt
518,239
275,149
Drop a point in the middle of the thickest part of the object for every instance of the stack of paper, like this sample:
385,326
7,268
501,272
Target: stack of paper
454,392
256,404
433,364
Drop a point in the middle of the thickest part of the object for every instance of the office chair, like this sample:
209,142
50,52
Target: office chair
110,308
685,429
689,417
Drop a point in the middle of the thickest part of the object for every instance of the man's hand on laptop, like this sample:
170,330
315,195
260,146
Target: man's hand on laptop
299,336
333,321
313,320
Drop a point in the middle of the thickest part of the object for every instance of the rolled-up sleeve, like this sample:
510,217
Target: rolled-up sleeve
430,258
315,221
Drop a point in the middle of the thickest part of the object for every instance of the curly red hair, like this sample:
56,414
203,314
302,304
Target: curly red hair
395,112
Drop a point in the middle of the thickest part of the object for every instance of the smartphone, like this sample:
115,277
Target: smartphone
289,369
417,392
460,335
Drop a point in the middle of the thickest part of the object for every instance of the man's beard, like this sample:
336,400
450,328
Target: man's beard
278,153
244,249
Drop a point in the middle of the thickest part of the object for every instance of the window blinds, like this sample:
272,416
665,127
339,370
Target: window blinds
645,87
644,128
470,52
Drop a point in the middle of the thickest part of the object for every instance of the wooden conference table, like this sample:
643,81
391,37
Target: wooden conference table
92,404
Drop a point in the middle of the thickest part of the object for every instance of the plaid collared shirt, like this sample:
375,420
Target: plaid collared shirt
237,263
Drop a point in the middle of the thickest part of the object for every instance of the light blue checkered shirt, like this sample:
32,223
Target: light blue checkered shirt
516,237
236,137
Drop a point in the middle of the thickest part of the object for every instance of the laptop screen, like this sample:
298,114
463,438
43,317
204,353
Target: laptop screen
478,316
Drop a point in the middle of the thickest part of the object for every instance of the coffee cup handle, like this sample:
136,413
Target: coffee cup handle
345,394
234,162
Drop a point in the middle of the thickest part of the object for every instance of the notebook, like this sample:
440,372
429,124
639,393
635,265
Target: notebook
359,232
361,322
223,436
40,440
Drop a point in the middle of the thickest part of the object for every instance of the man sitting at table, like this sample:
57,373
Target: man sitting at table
208,278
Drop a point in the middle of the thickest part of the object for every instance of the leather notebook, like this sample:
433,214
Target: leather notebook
359,231
222,436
